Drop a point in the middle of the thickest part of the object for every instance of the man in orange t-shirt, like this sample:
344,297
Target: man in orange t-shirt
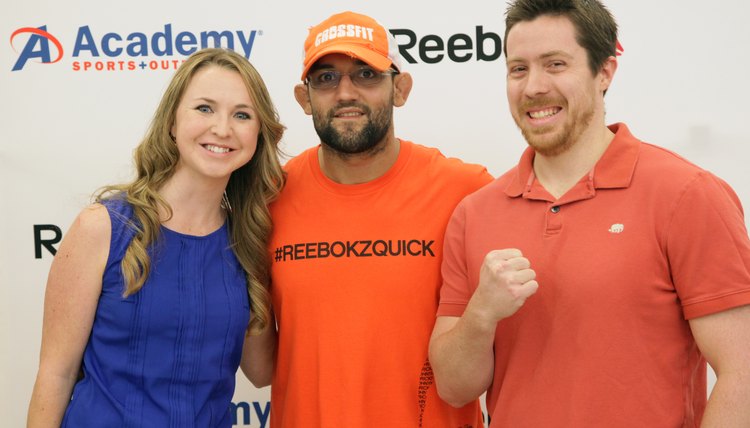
589,285
357,245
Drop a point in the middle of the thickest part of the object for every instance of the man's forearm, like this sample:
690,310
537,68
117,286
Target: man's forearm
462,359
729,404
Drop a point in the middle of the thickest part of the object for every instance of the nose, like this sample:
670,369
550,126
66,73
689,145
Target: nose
537,82
221,126
346,90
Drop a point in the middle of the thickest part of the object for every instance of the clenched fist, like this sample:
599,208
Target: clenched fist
506,280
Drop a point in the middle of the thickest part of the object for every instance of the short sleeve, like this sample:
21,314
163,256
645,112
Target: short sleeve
455,291
708,248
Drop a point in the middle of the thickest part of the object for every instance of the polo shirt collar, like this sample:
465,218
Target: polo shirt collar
613,170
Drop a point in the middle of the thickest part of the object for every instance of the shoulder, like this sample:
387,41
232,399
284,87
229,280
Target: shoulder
495,187
296,164
124,225
653,158
90,231
121,214
489,198
669,173
434,163
298,177
94,220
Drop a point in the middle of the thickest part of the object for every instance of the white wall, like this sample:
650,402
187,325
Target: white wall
681,84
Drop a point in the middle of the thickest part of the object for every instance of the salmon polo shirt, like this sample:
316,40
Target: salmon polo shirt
639,245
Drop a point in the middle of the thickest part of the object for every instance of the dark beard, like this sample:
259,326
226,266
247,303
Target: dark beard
350,141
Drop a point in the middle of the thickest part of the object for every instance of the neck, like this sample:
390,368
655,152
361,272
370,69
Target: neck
559,173
196,207
344,168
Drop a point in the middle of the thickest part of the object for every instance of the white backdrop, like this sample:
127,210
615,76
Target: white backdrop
681,84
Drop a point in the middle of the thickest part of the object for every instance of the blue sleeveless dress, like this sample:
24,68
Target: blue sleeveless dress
167,355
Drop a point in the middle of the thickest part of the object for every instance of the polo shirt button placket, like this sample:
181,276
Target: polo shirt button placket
554,220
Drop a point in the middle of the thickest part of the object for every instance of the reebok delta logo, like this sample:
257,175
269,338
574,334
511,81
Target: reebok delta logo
101,50
359,248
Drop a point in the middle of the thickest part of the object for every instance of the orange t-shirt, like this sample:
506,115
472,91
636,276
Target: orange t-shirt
355,285
639,245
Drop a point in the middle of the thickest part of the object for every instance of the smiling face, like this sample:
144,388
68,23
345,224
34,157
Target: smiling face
216,127
553,96
350,119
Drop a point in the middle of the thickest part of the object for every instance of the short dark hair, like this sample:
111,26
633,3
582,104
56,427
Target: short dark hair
596,29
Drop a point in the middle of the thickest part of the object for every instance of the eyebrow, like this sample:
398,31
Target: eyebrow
212,101
555,53
542,56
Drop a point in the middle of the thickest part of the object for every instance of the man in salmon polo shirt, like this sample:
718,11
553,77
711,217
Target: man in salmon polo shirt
589,285
357,245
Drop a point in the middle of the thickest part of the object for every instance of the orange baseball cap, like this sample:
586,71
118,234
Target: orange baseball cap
353,34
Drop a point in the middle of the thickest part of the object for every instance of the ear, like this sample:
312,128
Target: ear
607,73
302,95
402,83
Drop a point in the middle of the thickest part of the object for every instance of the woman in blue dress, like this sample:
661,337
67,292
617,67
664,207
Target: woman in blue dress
159,285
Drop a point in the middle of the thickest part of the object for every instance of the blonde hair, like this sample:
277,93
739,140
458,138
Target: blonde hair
250,188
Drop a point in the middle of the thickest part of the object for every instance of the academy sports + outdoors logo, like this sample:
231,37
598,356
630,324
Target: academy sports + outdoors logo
135,51
42,35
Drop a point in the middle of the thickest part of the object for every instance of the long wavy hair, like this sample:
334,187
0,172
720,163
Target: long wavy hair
249,190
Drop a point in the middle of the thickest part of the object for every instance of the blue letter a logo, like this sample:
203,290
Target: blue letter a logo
37,46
